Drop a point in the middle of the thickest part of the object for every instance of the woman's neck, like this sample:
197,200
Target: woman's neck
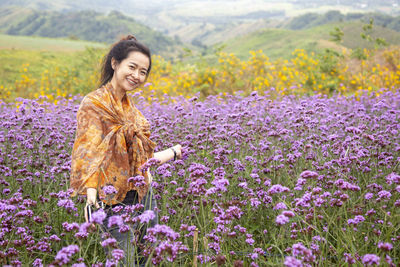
118,91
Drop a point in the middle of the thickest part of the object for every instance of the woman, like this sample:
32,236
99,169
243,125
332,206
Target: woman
112,138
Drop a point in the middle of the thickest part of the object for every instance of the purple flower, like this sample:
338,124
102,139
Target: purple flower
255,202
118,254
63,256
393,178
37,263
83,230
249,239
109,242
111,263
109,190
288,213
385,246
389,260
371,259
151,162
146,217
98,216
54,238
6,191
309,175
348,258
277,188
280,206
253,256
292,262
281,219
356,220
344,185
115,220
384,194
368,196
370,212
70,226
168,250
162,231
137,181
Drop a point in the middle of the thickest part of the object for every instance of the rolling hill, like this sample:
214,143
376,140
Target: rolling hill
282,42
83,25
206,22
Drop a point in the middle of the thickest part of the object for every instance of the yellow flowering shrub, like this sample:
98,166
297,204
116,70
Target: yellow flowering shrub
305,73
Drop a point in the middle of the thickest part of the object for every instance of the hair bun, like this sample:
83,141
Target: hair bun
129,37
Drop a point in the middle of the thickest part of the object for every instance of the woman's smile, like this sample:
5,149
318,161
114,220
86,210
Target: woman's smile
132,82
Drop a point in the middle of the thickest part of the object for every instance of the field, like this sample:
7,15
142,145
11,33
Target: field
297,181
44,44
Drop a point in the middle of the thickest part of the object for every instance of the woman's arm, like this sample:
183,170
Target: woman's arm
168,154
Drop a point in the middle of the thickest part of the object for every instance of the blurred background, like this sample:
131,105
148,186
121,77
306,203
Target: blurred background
54,48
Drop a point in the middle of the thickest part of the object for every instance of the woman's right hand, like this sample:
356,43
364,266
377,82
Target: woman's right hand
91,194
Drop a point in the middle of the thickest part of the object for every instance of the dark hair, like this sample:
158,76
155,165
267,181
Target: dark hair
119,51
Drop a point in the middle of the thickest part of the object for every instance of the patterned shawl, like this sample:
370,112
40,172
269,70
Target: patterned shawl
111,143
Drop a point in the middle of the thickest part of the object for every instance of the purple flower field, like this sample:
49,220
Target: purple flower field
310,181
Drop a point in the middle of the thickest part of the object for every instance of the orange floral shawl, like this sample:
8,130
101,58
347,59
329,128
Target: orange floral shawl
111,143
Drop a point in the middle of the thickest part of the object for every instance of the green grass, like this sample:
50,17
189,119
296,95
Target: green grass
15,60
275,43
37,54
34,63
45,44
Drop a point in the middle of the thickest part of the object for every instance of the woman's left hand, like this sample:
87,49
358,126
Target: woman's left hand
178,150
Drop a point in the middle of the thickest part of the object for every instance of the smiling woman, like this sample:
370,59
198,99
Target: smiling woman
112,145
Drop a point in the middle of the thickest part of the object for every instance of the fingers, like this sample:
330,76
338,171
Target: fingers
91,194
88,209
178,149
86,212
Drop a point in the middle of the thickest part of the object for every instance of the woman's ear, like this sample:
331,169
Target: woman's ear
113,63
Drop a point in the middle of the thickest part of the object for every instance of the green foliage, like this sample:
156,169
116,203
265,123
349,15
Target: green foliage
378,42
337,35
359,54
329,61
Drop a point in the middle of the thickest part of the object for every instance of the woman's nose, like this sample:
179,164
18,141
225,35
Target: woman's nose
135,74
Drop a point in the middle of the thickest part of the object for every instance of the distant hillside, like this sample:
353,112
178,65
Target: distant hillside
208,34
282,42
84,25
310,20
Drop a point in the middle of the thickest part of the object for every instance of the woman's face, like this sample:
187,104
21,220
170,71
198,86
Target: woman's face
131,72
